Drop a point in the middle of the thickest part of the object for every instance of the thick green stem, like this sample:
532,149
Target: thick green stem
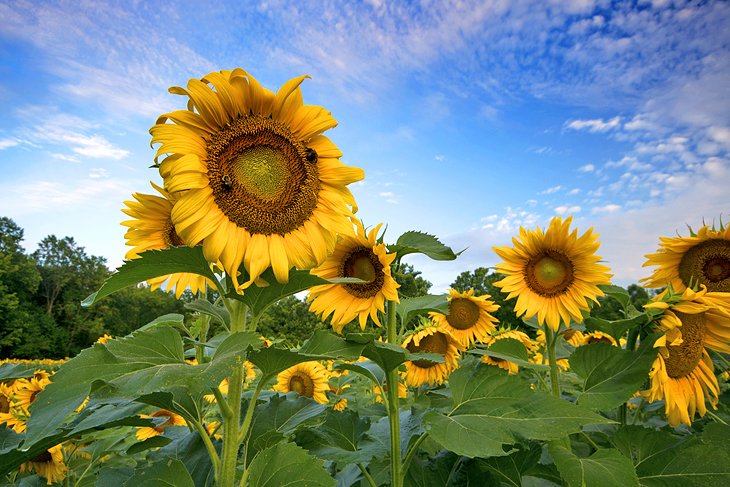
393,411
412,452
623,412
550,340
208,446
367,475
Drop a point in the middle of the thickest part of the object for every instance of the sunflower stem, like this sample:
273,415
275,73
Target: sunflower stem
208,446
393,411
550,340
412,452
367,475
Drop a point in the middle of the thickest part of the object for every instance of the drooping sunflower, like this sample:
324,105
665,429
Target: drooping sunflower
48,464
703,258
552,274
469,319
151,228
599,337
431,340
260,184
683,373
511,367
173,419
309,379
359,256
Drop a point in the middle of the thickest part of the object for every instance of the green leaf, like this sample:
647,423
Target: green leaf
510,469
145,362
605,468
409,308
615,328
509,349
219,313
170,319
342,438
386,355
610,375
260,298
322,345
151,264
367,368
491,408
10,372
433,472
422,243
9,439
169,472
663,459
290,465
278,418
154,442
189,448
616,292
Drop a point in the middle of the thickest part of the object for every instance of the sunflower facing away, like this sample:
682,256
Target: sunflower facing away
309,379
469,319
152,229
683,373
431,339
703,257
553,273
173,419
260,184
355,256
48,464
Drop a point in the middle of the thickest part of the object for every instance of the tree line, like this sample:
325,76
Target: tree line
41,292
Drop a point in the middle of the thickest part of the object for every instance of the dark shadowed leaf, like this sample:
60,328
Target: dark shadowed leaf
287,464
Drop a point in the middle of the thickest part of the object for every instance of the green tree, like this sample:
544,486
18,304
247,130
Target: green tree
482,281
611,309
411,282
289,319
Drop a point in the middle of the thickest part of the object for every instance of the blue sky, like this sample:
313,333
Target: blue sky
469,118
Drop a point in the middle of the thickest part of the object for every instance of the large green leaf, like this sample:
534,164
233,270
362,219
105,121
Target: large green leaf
409,308
491,408
9,439
615,328
219,313
189,448
278,418
287,464
616,292
607,468
321,346
509,349
15,371
142,363
609,375
666,460
151,264
510,469
413,242
167,473
342,438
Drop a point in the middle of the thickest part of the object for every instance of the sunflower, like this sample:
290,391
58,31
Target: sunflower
683,373
469,319
599,337
511,367
152,229
8,413
359,256
173,419
26,390
380,393
260,184
553,273
249,374
701,258
572,336
309,379
431,340
48,464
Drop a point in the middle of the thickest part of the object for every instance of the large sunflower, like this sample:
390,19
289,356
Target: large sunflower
48,464
683,373
260,183
358,256
511,367
309,379
152,229
701,258
551,274
469,319
431,339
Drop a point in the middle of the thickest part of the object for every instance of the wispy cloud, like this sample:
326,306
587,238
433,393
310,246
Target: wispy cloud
561,210
7,143
551,190
595,125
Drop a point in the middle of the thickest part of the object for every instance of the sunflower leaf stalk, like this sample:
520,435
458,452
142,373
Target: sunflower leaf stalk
393,410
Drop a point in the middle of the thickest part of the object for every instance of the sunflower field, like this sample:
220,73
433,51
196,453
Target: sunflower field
433,390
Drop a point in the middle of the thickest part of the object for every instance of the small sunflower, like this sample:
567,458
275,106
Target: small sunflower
599,337
260,184
48,464
511,367
152,229
309,379
8,413
574,337
552,274
26,390
683,373
380,393
173,419
359,256
469,319
431,340
703,258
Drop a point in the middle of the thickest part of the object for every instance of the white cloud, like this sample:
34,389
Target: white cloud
561,210
595,125
551,190
7,143
609,208
574,192
587,168
65,157
389,197
440,157
42,195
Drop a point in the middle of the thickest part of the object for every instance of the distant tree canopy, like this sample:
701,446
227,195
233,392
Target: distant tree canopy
40,295
411,282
